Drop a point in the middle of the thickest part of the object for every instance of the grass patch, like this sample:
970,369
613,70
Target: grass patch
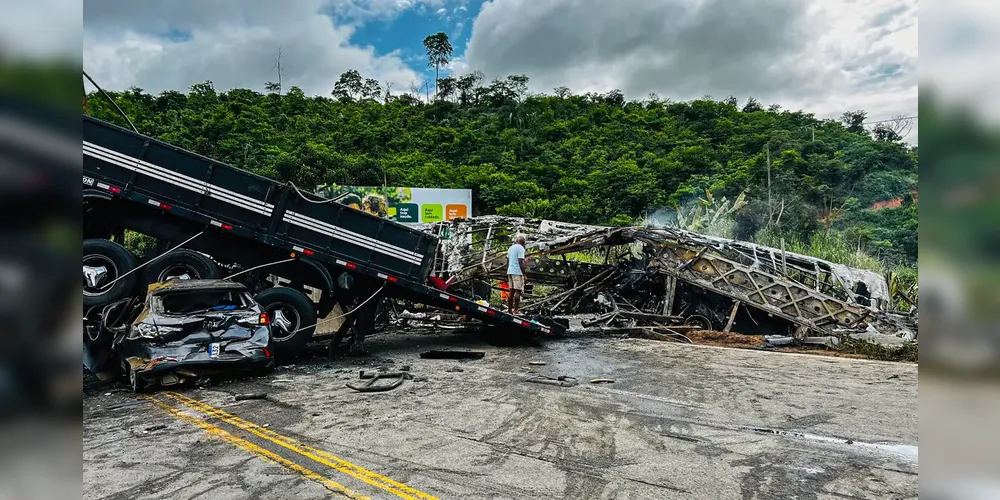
588,256
832,247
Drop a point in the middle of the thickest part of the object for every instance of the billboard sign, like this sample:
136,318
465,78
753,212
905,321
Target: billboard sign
403,204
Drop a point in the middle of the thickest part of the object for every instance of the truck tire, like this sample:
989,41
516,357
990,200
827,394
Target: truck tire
182,262
700,321
107,261
298,310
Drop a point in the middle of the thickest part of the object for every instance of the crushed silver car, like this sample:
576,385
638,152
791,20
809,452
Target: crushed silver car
188,329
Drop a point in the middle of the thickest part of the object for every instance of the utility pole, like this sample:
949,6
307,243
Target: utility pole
277,64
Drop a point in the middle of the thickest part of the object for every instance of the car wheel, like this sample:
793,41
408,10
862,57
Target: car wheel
104,262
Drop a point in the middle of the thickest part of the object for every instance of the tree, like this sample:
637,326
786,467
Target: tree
752,105
518,85
591,158
439,52
854,121
388,92
371,89
884,133
893,129
446,87
500,93
467,85
350,85
615,98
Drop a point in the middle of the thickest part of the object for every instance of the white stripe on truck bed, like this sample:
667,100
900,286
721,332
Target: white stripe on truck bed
246,202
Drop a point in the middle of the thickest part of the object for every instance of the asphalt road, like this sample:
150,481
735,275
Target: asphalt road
679,421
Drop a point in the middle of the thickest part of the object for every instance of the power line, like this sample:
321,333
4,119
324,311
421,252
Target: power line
113,103
914,117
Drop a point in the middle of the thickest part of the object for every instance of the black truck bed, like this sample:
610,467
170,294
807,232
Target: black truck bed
223,198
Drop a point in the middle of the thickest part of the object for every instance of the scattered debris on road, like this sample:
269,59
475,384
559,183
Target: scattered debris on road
448,354
602,381
380,374
128,404
373,386
245,397
561,381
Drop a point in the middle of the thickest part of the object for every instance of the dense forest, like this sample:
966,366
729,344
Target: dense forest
591,158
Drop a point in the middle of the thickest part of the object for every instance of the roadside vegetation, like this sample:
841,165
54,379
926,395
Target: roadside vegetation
582,158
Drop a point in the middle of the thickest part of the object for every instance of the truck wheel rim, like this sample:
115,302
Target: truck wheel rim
94,261
178,270
280,334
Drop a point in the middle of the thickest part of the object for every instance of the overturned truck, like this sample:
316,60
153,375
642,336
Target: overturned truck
668,276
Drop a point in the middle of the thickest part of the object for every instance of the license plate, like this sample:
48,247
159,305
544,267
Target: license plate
214,350
88,180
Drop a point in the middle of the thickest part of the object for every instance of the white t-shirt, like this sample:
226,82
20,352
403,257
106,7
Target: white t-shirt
515,252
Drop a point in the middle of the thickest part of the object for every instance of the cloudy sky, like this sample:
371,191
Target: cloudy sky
825,57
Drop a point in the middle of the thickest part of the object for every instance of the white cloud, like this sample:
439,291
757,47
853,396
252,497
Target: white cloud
231,42
825,57
373,9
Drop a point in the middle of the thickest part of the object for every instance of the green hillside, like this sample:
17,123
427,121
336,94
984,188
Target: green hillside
589,158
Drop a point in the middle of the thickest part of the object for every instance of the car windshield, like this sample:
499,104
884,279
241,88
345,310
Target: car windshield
191,301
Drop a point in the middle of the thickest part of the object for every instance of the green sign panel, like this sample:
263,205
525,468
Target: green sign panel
408,212
432,212
403,204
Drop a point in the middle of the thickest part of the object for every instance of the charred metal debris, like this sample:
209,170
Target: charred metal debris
670,280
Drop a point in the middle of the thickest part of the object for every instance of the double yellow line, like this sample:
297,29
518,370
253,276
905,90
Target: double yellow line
319,456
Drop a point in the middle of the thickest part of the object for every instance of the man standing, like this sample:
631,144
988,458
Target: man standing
515,275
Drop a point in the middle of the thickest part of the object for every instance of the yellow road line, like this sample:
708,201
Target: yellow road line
257,450
373,478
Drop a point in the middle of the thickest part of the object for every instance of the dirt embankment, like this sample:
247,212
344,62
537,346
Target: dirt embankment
725,339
